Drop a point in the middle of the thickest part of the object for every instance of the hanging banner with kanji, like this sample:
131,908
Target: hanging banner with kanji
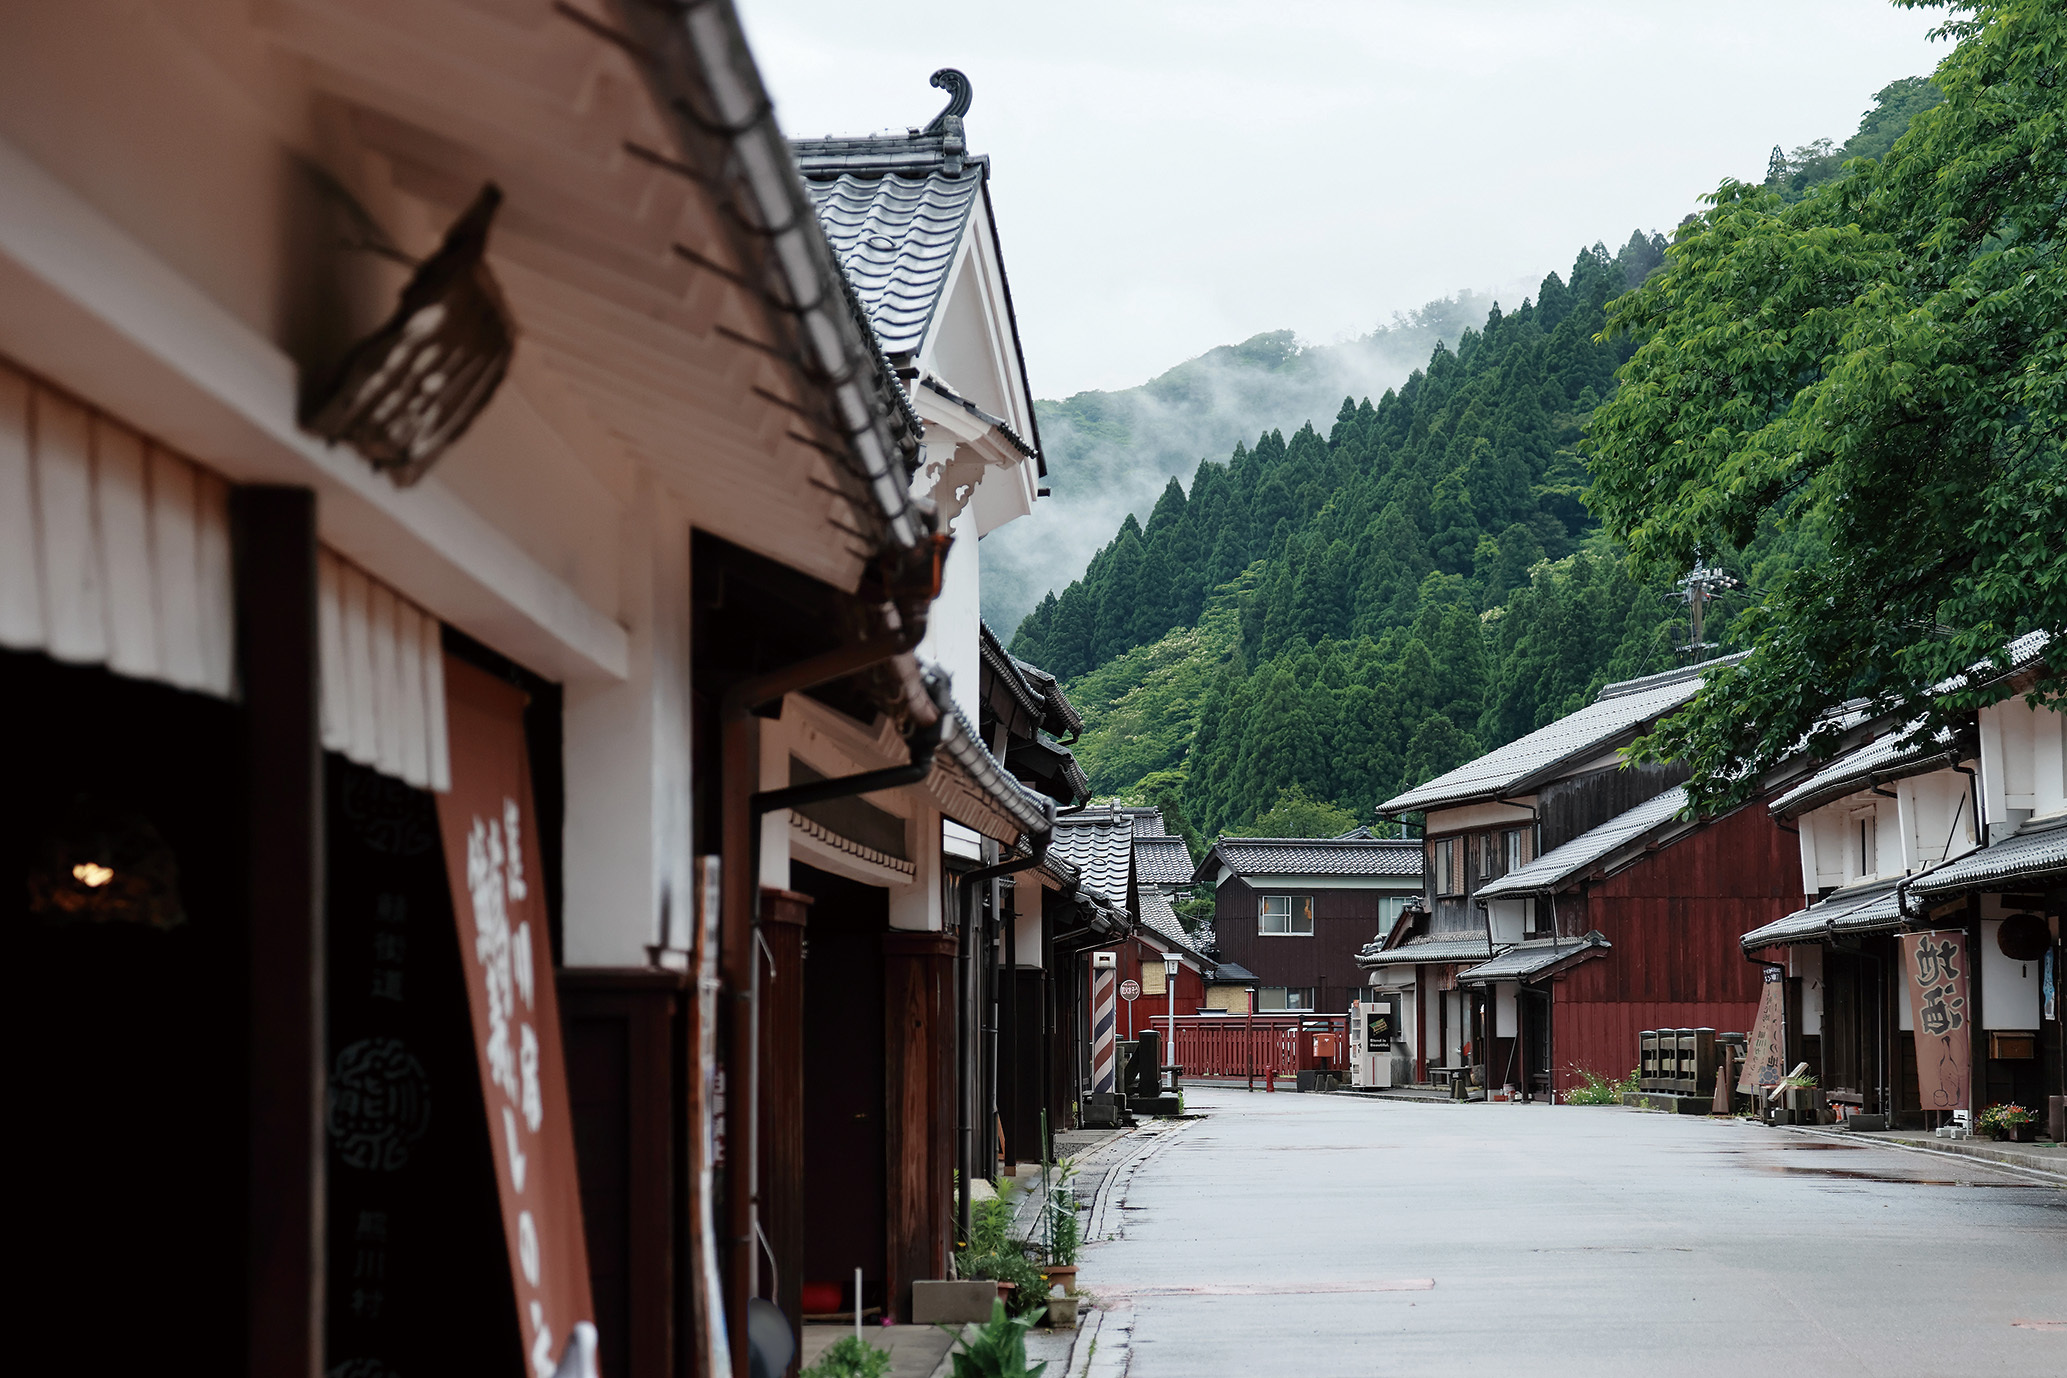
492,863
1765,1057
1936,964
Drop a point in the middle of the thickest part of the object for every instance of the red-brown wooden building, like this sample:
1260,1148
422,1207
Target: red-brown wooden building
1297,911
1572,905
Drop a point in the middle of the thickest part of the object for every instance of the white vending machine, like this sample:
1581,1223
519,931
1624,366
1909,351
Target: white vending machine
1373,1032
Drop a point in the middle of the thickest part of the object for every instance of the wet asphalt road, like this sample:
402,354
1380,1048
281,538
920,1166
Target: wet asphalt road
1325,1235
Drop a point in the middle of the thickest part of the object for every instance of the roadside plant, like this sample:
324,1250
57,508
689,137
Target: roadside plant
2004,1116
997,1349
1008,1264
1064,1237
848,1357
989,1222
1600,1088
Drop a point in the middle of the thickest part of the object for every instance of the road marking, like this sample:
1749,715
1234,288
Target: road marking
2040,1325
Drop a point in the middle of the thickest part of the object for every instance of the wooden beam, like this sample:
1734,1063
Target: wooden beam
276,636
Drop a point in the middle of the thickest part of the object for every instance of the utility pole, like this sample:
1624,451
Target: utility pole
1697,591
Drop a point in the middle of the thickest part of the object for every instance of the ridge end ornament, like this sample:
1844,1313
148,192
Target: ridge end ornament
955,82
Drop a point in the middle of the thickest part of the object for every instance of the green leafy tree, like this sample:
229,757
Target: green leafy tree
1886,361
1295,814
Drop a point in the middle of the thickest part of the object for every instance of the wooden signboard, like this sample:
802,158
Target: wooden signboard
1765,1058
492,864
1936,965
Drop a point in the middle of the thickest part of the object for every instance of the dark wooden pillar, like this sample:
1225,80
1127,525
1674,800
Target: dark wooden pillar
275,533
783,915
919,1120
625,1040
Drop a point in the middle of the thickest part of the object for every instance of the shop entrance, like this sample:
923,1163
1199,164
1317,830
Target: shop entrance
123,899
844,1225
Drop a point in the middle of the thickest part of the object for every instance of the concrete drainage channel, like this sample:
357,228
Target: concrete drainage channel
1102,1346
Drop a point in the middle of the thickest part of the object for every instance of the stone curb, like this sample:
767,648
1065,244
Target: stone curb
1951,1148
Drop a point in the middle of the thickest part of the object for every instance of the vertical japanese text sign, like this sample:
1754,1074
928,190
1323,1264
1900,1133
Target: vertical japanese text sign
1936,964
491,859
1765,1058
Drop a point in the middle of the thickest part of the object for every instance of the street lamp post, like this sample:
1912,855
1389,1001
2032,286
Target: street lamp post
1170,994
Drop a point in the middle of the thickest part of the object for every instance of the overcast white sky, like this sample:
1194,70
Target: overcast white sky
1171,175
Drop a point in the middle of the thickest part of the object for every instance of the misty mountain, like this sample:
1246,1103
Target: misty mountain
1111,453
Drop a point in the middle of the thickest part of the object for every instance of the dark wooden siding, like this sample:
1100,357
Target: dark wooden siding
1566,808
1674,919
1343,922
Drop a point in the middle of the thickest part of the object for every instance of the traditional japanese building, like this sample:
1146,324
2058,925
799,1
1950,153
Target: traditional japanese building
1959,834
485,598
1297,911
1570,906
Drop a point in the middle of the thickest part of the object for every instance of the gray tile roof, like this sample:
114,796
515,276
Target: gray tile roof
1441,947
1534,957
896,216
1896,756
2025,858
1310,856
1148,819
1101,846
1157,914
1233,972
1063,719
1161,860
1008,671
1871,908
1558,865
1620,711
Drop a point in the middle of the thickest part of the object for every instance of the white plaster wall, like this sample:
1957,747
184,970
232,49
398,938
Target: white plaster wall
1508,919
1805,960
2010,995
920,906
2023,761
626,759
1937,818
1506,1020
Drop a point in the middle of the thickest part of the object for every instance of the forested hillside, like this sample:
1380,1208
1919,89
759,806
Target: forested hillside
1321,621
1336,614
1110,453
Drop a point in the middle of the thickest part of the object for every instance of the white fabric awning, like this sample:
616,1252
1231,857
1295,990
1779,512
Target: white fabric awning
383,676
113,550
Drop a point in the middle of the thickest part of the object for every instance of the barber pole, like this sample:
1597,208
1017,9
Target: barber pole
1104,976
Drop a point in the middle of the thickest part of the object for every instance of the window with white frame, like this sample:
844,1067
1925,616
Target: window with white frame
1286,916
1390,907
1515,842
1284,998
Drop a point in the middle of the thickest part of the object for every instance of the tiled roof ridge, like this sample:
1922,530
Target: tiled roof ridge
1322,841
1622,688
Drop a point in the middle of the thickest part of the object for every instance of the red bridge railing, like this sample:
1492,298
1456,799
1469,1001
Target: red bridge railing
1262,1044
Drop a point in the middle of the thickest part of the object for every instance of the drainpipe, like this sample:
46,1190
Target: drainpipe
740,936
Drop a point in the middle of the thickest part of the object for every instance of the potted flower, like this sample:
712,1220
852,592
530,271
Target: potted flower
2009,1121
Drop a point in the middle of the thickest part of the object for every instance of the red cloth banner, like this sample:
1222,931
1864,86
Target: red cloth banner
490,833
1939,1007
